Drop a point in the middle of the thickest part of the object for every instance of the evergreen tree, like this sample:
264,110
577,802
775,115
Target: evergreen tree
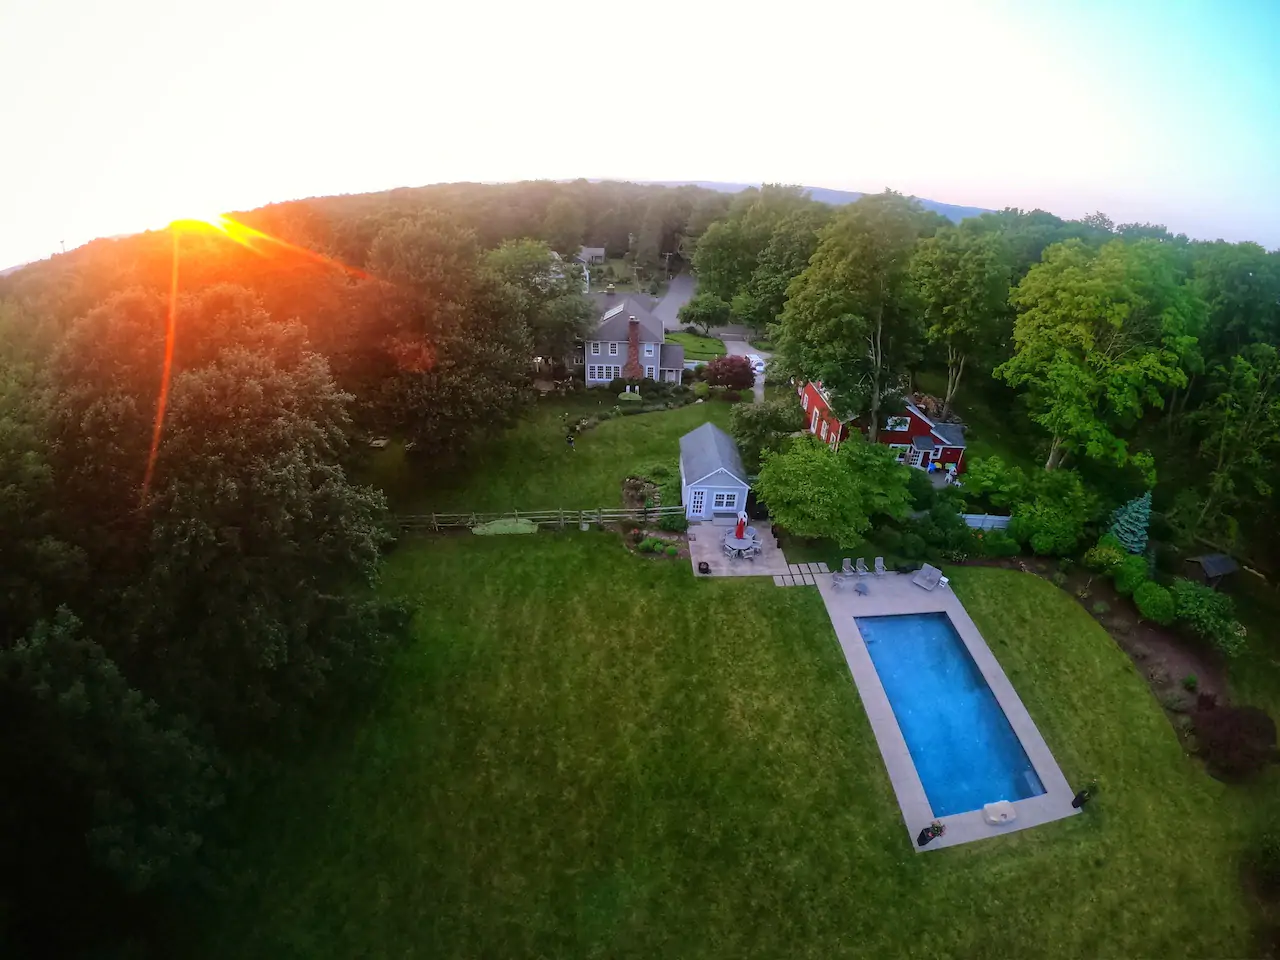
1129,523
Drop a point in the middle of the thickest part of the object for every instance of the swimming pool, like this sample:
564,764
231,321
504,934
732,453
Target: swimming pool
965,752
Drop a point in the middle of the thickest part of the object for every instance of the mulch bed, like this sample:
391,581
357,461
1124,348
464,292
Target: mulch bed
1162,655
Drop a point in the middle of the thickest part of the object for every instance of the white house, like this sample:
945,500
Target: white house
712,480
591,255
628,342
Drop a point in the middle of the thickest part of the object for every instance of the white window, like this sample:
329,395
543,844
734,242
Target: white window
899,451
697,500
595,348
813,421
804,400
726,501
613,349
824,429
649,349
593,372
898,423
648,372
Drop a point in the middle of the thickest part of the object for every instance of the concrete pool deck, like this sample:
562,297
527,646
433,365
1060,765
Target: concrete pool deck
893,594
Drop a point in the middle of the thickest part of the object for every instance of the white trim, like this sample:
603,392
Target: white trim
724,500
595,348
613,348
713,473
648,372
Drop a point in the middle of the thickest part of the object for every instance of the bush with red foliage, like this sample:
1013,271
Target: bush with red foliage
1235,742
732,372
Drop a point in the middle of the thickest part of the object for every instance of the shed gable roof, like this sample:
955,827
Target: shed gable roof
707,449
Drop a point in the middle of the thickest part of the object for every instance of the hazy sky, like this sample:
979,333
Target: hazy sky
124,115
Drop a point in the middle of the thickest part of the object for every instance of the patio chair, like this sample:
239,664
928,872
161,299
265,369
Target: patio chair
847,567
862,567
880,571
729,551
927,577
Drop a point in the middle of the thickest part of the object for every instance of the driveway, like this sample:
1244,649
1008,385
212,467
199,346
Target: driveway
679,292
740,348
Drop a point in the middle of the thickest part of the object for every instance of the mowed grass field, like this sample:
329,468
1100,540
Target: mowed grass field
586,754
530,466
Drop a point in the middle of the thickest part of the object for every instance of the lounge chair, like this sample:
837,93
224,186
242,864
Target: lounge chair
927,577
880,571
847,567
862,567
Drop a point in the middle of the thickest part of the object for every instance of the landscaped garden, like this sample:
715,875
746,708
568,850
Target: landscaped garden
588,754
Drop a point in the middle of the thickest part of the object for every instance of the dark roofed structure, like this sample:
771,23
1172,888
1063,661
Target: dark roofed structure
672,356
1212,567
952,433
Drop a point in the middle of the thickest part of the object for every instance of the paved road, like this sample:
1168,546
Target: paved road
679,292
740,348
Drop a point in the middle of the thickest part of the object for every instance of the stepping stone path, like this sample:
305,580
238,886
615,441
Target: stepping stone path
800,575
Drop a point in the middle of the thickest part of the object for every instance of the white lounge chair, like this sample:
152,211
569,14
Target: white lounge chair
847,567
862,567
927,577
880,571
944,581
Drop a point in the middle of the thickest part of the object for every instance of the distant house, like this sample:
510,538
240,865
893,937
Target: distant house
916,439
1210,568
591,255
628,342
712,479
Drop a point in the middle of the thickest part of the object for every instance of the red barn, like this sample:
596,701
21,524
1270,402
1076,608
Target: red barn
917,440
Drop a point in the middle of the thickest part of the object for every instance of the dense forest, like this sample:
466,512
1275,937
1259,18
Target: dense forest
186,559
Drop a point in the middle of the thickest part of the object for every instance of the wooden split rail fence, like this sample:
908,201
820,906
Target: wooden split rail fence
558,519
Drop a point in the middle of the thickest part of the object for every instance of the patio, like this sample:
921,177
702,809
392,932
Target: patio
706,546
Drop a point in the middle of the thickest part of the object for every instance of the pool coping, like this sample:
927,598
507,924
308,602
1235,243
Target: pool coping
894,594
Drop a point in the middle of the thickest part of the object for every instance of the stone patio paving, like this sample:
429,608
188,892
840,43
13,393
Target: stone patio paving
894,593
706,545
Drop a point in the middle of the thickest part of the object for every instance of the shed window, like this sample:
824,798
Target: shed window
804,400
726,501
813,421
824,429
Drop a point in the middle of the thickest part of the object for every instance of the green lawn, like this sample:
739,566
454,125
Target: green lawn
765,345
586,754
530,467
697,347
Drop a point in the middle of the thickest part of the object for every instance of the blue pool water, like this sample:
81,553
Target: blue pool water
965,752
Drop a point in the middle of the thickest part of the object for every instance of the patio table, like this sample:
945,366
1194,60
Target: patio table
743,545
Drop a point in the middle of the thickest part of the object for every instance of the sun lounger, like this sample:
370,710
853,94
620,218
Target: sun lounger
927,577
847,567
862,567
880,567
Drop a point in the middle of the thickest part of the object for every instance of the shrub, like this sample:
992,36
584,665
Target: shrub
673,551
1190,682
1267,860
913,547
629,397
1105,556
1235,742
731,396
923,495
689,328
1101,608
996,543
1154,602
675,523
1059,578
701,390
732,372
1129,574
1208,613
1049,529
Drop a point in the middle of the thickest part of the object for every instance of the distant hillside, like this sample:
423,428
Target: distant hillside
951,211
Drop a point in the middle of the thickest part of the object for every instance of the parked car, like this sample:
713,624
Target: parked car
756,361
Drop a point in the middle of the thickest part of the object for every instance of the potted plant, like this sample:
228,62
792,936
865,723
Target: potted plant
931,832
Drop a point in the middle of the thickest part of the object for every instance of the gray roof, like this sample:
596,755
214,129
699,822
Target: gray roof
672,357
707,449
616,312
1216,564
922,443
952,433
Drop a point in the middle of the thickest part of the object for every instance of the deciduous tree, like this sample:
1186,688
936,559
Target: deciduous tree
704,311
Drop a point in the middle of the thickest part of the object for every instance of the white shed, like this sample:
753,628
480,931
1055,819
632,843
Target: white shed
712,480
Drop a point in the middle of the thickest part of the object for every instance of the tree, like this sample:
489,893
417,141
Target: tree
704,311
760,427
1240,284
813,492
760,300
1241,424
564,225
542,292
1099,334
732,372
1129,523
851,318
963,278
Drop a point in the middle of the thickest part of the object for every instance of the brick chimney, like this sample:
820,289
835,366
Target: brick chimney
633,370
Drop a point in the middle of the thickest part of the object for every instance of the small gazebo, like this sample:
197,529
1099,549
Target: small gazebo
1211,568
